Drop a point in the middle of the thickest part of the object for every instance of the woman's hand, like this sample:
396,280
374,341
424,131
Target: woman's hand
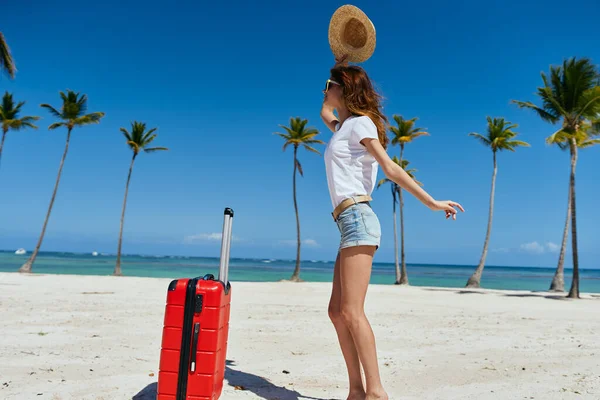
328,116
448,207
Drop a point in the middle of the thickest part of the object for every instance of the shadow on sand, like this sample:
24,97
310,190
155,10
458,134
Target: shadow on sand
454,290
553,296
261,386
147,393
534,293
243,381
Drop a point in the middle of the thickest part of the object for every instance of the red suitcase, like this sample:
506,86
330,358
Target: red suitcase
195,332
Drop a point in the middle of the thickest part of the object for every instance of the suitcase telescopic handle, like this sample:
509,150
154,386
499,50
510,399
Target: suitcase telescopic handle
225,246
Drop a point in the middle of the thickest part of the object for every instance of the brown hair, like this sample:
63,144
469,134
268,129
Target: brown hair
361,98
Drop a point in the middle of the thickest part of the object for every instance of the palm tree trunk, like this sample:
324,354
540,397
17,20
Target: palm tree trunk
558,282
475,279
403,272
394,191
29,263
296,275
118,265
4,131
574,292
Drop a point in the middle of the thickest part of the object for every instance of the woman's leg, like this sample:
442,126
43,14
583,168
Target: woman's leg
355,272
357,390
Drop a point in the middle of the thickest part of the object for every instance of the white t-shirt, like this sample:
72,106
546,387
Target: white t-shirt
351,169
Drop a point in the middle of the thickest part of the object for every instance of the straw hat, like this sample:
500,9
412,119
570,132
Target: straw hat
351,32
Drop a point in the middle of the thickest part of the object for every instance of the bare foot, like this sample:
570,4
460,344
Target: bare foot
356,396
376,396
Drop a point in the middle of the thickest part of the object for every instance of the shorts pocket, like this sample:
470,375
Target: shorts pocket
371,222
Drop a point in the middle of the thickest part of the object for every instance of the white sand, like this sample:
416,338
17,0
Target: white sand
85,337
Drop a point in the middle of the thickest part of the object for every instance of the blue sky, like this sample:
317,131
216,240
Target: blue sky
217,78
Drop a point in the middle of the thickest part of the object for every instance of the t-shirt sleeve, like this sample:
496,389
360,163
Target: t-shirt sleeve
364,128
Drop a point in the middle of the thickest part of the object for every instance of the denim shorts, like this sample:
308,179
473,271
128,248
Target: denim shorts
359,226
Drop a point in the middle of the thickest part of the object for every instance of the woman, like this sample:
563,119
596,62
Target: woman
352,157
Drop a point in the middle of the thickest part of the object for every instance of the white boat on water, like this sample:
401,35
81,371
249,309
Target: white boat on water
95,253
20,252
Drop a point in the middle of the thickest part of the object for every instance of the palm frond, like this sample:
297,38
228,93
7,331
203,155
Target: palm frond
93,118
81,102
29,125
134,146
153,149
56,125
6,60
589,143
17,108
149,135
18,124
558,138
299,166
552,101
126,134
52,110
8,105
145,140
307,136
29,119
410,171
289,130
64,97
283,135
511,145
546,116
383,182
563,145
595,127
518,143
313,141
589,103
12,124
310,131
481,138
309,148
417,134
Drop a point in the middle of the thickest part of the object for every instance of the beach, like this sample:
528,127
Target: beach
98,337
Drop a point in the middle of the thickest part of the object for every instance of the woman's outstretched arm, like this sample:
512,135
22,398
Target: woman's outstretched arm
397,174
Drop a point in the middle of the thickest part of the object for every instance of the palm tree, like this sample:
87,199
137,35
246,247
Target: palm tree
6,61
138,140
558,281
298,134
570,96
72,114
9,118
499,137
396,190
404,133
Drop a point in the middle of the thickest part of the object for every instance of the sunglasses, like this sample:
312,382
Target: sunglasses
329,82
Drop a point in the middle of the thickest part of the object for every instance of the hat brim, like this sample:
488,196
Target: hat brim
337,26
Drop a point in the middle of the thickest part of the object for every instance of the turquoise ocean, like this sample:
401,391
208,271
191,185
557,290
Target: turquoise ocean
270,270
